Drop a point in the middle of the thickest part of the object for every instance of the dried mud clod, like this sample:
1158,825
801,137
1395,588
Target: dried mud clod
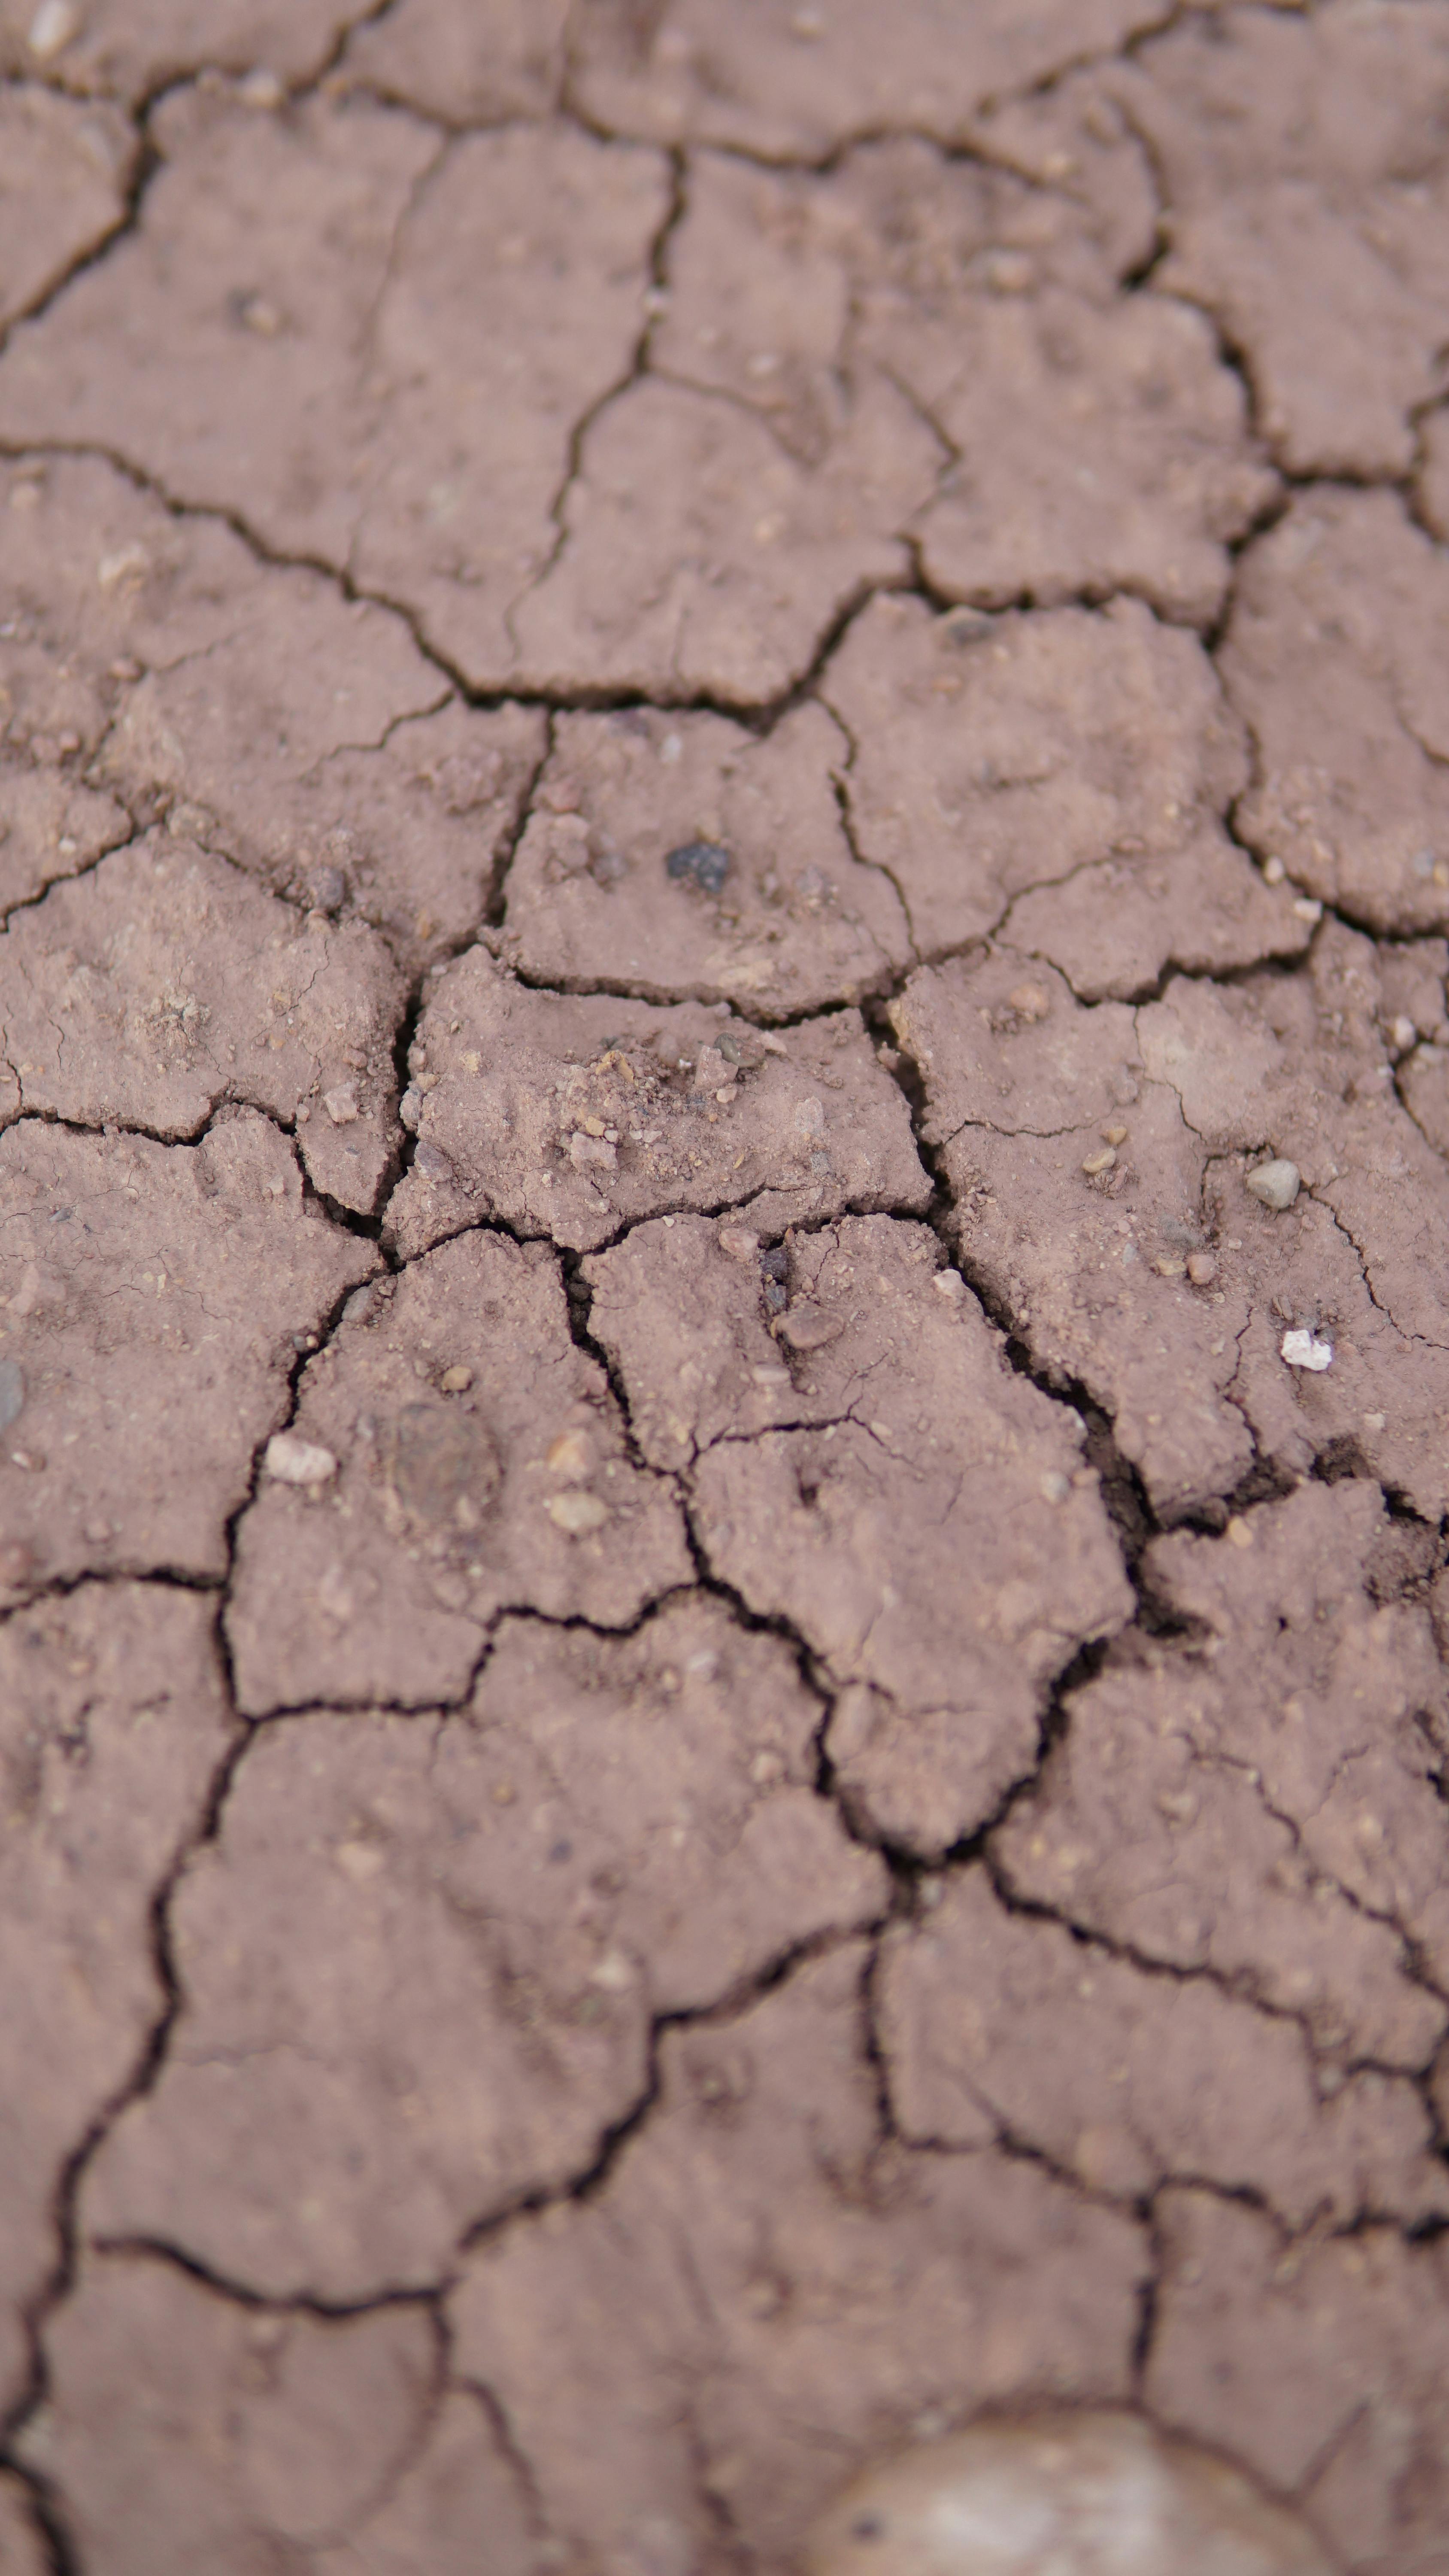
724,1396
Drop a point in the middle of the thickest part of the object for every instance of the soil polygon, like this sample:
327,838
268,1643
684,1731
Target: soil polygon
1090,442
140,661
63,174
1257,1797
575,1118
1089,752
156,1300
724,1244
268,2435
862,1518
613,1830
478,66
797,922
782,83
1099,1161
808,2288
1341,617
1321,2365
165,982
997,2027
113,1720
133,49
1302,154
469,1459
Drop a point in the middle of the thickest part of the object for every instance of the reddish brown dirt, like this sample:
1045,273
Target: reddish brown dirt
724,1253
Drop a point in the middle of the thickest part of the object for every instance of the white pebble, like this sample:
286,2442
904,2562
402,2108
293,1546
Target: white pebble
1275,1184
291,1461
1302,1349
55,25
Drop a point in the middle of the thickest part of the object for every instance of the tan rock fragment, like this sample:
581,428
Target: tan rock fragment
154,1301
989,2501
875,1520
617,1828
572,1117
813,2291
382,1583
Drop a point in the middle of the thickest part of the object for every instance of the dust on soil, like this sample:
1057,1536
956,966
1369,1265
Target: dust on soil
724,854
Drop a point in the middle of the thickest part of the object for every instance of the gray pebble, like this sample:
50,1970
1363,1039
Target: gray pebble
699,863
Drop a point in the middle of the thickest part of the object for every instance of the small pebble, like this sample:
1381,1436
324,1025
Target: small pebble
571,1456
1239,1533
699,863
806,1328
55,25
290,1461
737,1243
1303,1349
1029,1001
1113,1135
950,1285
1100,1162
341,1105
1274,871
1202,1269
576,1514
1079,2492
1275,1185
456,1380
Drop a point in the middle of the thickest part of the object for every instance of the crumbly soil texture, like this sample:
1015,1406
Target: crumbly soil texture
724,1265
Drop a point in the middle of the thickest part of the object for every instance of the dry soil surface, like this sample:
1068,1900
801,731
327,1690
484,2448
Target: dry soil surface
724,1265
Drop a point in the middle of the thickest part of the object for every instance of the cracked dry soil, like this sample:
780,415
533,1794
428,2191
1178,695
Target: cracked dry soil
709,720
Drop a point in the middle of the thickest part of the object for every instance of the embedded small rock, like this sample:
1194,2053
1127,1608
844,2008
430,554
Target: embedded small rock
298,1462
1275,1185
1087,2493
1302,1349
699,863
